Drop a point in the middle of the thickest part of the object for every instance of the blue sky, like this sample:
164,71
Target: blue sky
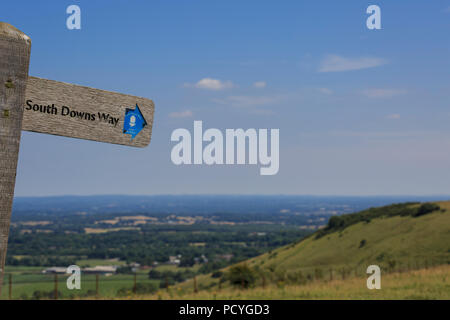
360,111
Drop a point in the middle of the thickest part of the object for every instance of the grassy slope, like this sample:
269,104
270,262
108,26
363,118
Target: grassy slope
432,283
405,240
409,242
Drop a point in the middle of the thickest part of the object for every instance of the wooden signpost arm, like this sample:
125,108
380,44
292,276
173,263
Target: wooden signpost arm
15,49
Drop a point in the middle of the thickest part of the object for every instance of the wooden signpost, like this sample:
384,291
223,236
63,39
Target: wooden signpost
69,110
52,107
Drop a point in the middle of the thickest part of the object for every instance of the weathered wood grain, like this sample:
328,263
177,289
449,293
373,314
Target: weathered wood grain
54,95
14,61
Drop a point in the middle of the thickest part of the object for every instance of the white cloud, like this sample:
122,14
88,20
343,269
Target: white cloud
383,93
211,84
260,84
335,63
393,116
181,114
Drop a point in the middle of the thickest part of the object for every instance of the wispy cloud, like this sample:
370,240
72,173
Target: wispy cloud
383,93
262,112
374,134
210,84
181,114
260,84
335,63
393,116
249,101
325,91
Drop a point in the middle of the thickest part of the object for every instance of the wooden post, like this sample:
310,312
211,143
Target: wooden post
56,287
15,49
10,287
96,286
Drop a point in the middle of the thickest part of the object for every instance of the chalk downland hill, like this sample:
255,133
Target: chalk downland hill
393,237
400,238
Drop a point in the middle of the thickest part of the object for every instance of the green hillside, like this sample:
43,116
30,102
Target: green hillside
392,242
398,238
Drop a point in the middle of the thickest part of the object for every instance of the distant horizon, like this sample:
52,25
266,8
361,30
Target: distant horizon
233,195
207,204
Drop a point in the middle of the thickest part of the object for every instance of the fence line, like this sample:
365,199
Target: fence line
53,286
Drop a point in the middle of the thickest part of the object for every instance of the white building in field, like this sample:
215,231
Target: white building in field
105,270
55,270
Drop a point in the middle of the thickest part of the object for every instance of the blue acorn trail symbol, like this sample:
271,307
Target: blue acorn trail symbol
134,122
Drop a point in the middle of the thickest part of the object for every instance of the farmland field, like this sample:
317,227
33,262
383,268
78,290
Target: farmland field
28,281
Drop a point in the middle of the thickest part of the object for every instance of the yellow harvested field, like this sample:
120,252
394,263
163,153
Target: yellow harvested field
35,223
99,230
